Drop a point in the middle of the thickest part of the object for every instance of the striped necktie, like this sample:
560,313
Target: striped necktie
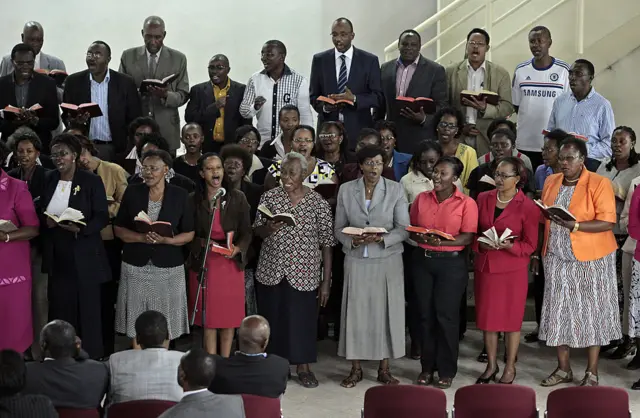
342,78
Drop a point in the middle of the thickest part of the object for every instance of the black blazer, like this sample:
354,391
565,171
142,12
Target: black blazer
202,110
176,209
43,90
123,101
89,197
429,81
363,81
69,383
234,216
45,160
177,180
252,375
36,184
27,406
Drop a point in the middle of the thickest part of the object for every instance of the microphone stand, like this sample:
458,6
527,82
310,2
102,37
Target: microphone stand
202,280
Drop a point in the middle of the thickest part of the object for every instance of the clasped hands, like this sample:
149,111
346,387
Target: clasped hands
502,246
366,239
154,238
26,117
347,95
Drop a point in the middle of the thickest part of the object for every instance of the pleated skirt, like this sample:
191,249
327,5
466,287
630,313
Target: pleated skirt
373,309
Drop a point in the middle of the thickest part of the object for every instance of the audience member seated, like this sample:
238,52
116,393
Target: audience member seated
144,125
195,373
148,373
66,376
251,370
154,142
248,137
14,404
398,161
352,171
504,123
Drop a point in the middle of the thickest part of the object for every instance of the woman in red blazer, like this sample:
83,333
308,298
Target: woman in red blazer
501,272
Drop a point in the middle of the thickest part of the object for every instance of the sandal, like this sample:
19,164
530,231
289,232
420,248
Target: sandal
425,379
589,379
557,378
444,382
354,377
308,379
384,377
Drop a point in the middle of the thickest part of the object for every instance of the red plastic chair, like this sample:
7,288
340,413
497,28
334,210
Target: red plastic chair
260,407
149,408
77,413
588,402
402,401
495,401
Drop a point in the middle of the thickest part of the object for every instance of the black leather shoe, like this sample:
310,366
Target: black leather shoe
636,386
634,364
531,337
624,350
482,357
612,345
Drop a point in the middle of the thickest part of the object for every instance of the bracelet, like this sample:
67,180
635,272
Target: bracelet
535,257
423,120
575,227
7,238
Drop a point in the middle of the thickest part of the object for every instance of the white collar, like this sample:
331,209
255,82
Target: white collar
107,77
483,66
48,359
193,392
6,163
348,53
149,54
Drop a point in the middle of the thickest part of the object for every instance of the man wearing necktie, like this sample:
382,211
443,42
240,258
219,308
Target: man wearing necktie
345,73
155,60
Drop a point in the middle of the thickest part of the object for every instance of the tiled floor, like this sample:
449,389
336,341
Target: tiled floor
535,362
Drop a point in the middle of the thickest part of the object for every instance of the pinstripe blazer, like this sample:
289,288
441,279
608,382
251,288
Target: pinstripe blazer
144,374
388,209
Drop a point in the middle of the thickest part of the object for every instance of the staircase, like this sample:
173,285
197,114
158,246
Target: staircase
606,32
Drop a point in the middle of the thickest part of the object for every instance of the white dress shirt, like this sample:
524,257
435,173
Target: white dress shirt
60,199
36,61
475,82
348,59
193,392
149,56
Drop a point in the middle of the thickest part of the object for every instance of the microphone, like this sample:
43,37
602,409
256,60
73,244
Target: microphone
221,192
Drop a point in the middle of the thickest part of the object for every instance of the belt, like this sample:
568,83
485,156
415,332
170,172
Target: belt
441,254
99,142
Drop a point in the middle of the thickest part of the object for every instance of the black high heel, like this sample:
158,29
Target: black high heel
487,380
515,372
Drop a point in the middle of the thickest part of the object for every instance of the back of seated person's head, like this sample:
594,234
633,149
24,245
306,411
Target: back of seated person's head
13,373
501,123
58,340
152,141
152,330
197,370
253,334
77,129
368,136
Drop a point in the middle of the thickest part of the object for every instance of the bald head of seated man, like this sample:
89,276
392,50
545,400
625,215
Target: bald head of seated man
251,370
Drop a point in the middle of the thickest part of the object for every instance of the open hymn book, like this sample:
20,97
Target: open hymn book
370,230
69,215
492,238
558,211
144,86
279,217
427,231
144,225
224,250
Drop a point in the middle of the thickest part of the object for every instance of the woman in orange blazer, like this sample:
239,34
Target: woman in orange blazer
580,307
501,271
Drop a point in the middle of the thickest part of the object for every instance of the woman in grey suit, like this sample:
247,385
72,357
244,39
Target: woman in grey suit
372,325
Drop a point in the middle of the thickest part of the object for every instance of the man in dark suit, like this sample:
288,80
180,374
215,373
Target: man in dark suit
215,105
114,92
195,373
66,376
346,73
250,370
13,403
23,89
411,75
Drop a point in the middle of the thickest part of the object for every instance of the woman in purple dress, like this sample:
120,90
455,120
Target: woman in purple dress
16,206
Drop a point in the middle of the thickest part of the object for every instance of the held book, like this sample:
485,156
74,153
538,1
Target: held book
558,211
93,109
415,103
490,96
68,215
279,217
7,226
144,86
357,232
224,250
421,230
488,179
144,224
334,102
492,238
12,112
58,75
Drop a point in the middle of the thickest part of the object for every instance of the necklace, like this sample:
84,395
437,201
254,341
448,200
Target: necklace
502,201
576,180
447,196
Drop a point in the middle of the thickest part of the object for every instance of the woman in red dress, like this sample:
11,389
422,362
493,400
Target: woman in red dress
501,272
224,279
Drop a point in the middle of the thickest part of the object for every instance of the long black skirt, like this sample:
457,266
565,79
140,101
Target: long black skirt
293,318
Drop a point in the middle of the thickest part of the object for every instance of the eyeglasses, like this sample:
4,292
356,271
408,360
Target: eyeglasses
568,158
322,137
388,138
94,54
303,140
59,154
245,140
150,169
503,176
373,163
500,145
478,44
447,125
217,67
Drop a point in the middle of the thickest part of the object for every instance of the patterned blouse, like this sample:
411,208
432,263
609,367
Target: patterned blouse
295,252
322,171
